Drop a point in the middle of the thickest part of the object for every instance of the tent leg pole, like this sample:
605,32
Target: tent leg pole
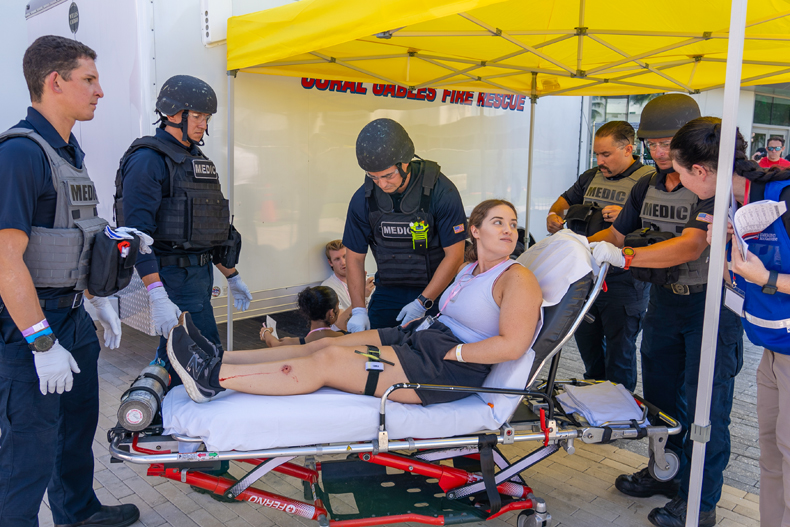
717,257
532,107
231,166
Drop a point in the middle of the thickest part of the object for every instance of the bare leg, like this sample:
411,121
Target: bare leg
333,366
287,352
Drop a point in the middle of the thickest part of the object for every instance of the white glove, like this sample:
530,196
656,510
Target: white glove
54,369
145,240
241,293
164,312
606,252
411,311
109,320
359,320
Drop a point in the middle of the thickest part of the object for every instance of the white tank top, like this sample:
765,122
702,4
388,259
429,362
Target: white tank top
468,307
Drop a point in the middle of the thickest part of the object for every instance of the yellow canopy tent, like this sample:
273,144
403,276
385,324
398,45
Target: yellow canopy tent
537,48
575,47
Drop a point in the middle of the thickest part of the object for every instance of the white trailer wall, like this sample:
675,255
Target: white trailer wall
13,90
296,166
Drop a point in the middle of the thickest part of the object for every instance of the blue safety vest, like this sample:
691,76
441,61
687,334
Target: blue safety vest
767,317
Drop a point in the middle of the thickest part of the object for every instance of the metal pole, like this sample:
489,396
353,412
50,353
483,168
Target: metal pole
229,189
700,429
533,103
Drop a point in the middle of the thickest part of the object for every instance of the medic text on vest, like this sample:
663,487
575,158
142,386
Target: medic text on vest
82,193
604,193
204,169
391,229
466,98
669,212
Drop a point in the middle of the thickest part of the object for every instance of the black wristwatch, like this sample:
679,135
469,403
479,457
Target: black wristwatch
427,303
770,287
43,343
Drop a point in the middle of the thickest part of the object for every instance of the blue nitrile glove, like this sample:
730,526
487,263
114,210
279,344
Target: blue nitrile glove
54,369
359,320
164,312
411,311
241,293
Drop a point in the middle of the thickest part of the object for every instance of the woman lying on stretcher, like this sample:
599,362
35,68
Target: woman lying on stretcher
489,315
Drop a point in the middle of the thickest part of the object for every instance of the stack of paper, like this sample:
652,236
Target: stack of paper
599,403
750,220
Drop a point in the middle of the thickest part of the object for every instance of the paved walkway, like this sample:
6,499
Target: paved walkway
579,489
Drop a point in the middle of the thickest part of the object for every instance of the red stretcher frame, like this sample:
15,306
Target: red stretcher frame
448,478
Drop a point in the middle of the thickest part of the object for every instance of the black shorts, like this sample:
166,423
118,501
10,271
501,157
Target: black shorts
421,354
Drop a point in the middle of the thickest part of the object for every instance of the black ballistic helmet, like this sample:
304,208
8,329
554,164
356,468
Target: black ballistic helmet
184,92
666,114
383,143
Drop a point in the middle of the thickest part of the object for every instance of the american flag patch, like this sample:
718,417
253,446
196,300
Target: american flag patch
703,216
458,229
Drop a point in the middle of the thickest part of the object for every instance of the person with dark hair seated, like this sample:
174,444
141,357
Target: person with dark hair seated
489,316
321,307
764,277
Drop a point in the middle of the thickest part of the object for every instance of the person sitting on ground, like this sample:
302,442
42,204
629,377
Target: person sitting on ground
489,315
320,305
335,253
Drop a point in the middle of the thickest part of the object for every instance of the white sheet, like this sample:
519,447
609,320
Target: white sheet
558,261
238,421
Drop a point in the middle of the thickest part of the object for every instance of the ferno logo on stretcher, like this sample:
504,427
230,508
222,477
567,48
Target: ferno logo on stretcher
467,98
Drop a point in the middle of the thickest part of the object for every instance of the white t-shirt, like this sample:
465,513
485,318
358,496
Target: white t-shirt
341,288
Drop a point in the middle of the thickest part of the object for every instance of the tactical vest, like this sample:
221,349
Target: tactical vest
670,211
606,191
195,215
405,244
767,317
587,219
61,256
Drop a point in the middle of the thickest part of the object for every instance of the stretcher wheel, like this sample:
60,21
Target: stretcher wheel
664,475
528,518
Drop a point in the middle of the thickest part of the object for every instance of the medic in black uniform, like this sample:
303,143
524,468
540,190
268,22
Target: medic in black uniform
607,344
662,229
167,188
49,385
412,218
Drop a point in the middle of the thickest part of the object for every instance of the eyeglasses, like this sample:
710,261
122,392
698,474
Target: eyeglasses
653,145
200,117
385,177
773,148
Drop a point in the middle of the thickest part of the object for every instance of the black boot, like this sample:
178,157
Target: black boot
110,516
673,514
642,485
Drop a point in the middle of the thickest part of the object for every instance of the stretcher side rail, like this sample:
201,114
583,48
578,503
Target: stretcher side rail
546,351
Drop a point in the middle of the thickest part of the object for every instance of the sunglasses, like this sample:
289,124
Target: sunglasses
774,148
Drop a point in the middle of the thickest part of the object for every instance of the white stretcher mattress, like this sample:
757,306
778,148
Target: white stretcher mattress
239,421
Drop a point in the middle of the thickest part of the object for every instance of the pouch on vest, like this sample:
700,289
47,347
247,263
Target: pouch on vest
228,254
644,238
112,264
585,219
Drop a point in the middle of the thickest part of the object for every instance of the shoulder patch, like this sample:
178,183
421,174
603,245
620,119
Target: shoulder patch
458,229
703,216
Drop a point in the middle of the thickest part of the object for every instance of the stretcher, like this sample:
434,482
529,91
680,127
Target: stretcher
436,464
